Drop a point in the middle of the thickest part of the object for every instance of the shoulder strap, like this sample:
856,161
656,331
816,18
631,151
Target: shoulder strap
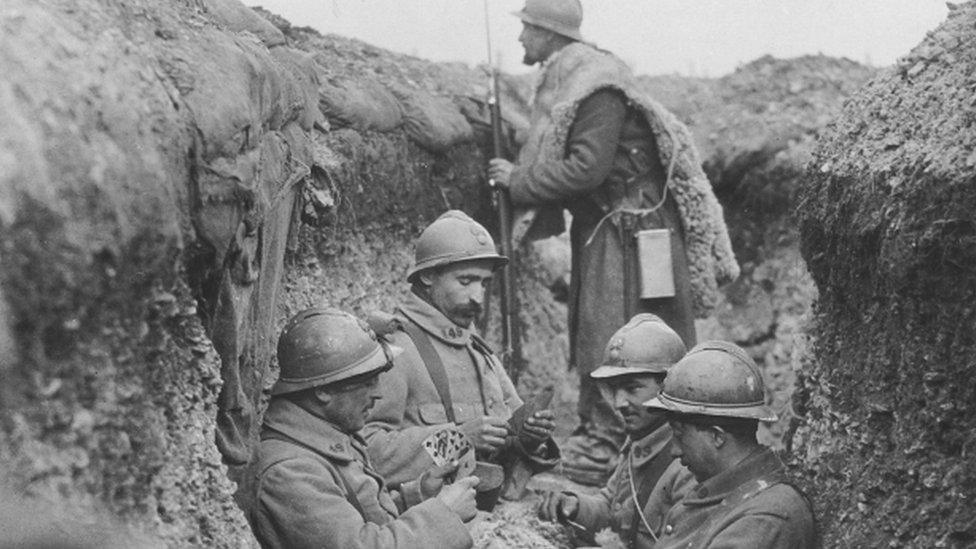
434,364
350,492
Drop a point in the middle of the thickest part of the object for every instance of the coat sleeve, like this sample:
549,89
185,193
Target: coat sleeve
300,505
590,150
594,510
394,442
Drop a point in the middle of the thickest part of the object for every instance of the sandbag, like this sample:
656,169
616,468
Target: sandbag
435,123
300,94
232,87
236,17
363,104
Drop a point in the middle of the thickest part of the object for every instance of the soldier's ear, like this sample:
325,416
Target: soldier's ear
719,436
426,278
322,394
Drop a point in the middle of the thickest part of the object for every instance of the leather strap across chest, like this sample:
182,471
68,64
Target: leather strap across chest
434,364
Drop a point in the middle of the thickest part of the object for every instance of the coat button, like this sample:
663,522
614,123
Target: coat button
668,529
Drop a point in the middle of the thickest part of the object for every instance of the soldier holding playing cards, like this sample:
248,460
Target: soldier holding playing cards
314,484
447,375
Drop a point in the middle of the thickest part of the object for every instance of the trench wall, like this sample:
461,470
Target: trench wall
888,231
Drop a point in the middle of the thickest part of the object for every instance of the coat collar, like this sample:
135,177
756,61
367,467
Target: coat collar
432,321
291,420
645,449
755,473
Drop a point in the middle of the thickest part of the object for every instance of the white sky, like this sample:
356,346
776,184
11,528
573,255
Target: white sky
689,37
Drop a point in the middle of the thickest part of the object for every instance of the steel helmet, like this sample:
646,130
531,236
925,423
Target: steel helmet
644,345
321,346
560,16
715,378
451,238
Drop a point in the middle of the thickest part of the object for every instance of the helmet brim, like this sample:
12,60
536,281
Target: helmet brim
607,371
499,261
377,361
548,25
759,412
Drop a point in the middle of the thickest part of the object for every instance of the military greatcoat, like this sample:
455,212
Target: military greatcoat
747,507
411,409
315,488
660,480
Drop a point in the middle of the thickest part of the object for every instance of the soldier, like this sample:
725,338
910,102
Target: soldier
447,375
314,484
648,481
715,399
647,232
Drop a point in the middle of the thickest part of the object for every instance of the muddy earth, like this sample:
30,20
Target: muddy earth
178,177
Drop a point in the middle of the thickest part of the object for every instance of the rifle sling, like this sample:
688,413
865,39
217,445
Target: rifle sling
434,364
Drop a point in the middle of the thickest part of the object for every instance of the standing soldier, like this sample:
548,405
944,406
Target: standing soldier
447,375
647,233
715,398
648,480
315,486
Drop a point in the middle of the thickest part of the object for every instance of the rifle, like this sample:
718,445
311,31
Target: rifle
502,203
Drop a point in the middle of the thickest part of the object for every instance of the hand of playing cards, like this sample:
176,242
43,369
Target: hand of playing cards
533,422
447,446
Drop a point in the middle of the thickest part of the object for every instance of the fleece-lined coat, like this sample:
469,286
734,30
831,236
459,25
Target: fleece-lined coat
600,148
659,487
315,488
748,507
568,77
410,409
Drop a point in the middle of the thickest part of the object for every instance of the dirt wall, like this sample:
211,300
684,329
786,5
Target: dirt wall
889,234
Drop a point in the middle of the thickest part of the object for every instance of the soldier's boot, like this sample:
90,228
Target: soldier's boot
588,459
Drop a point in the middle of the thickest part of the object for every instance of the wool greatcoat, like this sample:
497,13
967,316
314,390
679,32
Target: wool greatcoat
661,481
410,409
747,507
315,488
611,165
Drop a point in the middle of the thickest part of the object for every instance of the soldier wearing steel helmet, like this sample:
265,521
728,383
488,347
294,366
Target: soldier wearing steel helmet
314,484
648,481
623,166
715,399
447,375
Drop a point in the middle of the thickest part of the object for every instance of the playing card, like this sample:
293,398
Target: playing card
447,445
540,401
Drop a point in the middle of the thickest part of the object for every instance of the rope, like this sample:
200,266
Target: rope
633,496
652,209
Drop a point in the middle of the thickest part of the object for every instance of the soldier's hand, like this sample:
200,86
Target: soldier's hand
558,506
486,433
459,497
537,428
500,171
433,479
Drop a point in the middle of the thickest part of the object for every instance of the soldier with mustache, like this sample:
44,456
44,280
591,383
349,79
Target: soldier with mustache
447,375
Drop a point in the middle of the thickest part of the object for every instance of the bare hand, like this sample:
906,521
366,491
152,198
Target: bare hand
500,171
537,428
486,433
459,497
558,506
433,479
